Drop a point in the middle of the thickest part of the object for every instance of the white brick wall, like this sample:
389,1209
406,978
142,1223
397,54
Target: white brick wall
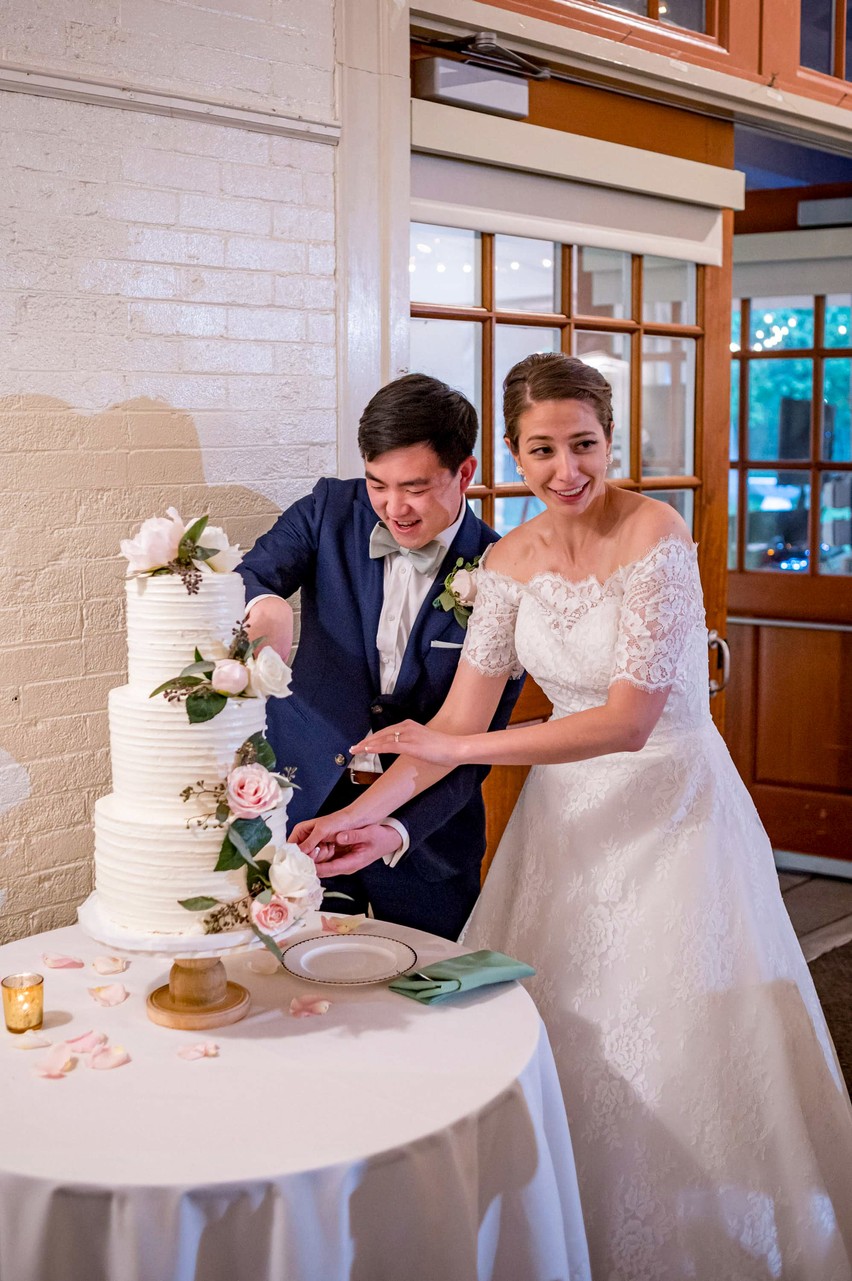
167,325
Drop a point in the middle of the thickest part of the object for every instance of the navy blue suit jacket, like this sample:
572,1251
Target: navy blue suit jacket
321,545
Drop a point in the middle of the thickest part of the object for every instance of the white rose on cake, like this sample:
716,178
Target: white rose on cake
269,675
227,556
293,876
156,545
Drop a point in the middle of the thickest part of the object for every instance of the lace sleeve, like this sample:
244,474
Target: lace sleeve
662,606
489,645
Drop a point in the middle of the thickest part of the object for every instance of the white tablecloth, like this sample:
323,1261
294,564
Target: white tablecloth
382,1141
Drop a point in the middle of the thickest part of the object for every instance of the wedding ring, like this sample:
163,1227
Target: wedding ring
396,736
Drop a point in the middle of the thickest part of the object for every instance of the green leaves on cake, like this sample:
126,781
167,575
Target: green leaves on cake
280,888
166,545
206,684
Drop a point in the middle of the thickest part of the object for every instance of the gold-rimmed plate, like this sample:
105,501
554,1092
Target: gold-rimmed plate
348,959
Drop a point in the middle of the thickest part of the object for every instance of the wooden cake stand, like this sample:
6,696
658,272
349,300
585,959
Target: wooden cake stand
199,994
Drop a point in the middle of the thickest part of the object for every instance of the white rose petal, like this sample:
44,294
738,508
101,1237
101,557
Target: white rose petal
269,674
464,586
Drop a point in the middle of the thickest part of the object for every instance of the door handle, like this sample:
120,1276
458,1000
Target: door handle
723,658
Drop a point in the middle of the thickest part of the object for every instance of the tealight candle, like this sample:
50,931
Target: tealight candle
23,1001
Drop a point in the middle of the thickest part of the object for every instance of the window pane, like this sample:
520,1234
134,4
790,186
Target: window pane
816,30
781,322
668,406
683,501
777,521
511,344
610,355
779,408
602,283
526,274
733,517
668,291
838,310
835,524
475,505
837,393
450,350
444,265
630,6
736,324
735,411
683,13
511,512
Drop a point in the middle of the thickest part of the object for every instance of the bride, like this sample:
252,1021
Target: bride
711,1127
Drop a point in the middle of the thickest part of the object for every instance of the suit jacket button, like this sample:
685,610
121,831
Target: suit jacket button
377,709
340,759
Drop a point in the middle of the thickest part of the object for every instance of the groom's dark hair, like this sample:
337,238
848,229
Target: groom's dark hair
419,410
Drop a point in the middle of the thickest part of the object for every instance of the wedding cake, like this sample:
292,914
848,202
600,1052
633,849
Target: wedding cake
192,838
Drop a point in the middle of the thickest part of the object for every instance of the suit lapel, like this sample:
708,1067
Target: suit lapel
437,624
370,585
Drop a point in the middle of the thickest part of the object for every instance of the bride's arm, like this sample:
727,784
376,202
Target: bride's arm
622,724
467,710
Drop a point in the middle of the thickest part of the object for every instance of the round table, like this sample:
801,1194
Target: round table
382,1141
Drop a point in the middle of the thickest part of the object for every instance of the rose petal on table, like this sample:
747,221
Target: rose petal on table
109,994
341,924
109,964
202,1050
107,1057
87,1042
56,961
56,1063
31,1040
302,1007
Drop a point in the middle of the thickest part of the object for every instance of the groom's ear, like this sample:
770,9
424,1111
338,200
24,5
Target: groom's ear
466,473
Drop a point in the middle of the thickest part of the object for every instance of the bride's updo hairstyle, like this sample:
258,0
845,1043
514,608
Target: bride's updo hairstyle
550,375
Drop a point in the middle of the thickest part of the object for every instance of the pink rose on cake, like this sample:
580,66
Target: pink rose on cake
275,914
269,674
251,791
293,876
229,676
156,545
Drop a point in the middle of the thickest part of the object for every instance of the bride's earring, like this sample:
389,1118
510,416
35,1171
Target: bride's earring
519,469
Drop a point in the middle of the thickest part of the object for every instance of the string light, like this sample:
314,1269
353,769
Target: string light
440,267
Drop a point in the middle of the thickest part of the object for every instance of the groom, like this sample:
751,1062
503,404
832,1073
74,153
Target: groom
370,557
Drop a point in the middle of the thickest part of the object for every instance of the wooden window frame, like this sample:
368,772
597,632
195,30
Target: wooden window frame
815,599
635,328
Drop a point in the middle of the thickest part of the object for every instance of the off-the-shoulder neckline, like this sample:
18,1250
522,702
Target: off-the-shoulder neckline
593,578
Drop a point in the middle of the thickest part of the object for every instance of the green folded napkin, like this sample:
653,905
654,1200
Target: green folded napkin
442,979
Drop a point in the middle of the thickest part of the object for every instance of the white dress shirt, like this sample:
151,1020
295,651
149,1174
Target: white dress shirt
405,591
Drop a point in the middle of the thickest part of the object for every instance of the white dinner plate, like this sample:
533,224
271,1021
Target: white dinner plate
348,958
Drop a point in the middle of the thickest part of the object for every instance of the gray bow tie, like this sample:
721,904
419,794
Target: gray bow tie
424,559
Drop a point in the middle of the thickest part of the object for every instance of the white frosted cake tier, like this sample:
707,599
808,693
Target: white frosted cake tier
145,863
156,751
165,624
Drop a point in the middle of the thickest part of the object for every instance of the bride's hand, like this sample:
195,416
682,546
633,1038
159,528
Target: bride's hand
410,739
316,837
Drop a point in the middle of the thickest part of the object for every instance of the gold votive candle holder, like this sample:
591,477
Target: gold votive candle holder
23,1001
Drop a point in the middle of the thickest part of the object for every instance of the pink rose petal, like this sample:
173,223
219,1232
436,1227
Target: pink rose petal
341,924
302,1007
86,1042
107,1057
110,994
109,965
202,1050
56,961
31,1041
56,1062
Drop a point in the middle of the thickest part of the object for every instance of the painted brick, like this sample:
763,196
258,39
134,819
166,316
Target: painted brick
265,255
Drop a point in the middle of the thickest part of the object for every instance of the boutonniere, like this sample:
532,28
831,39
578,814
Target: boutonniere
459,591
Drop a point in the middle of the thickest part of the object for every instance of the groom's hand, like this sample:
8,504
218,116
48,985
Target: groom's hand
272,619
348,851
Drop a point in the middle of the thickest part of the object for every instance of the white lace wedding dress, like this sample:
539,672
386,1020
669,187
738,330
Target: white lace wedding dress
711,1127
